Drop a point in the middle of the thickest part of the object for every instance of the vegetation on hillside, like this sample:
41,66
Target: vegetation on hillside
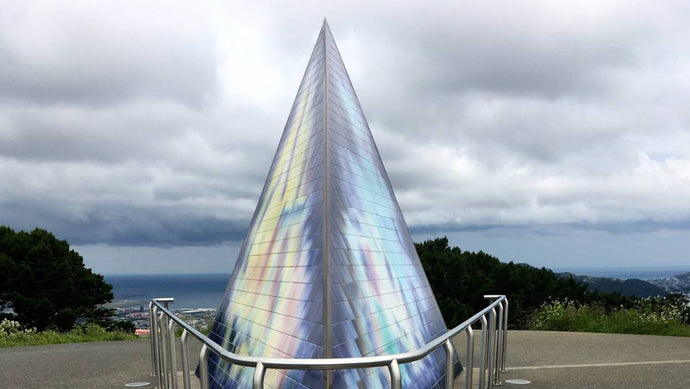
47,284
668,315
539,298
12,335
460,279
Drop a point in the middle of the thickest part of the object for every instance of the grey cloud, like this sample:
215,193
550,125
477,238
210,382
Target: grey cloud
70,133
155,125
533,50
103,53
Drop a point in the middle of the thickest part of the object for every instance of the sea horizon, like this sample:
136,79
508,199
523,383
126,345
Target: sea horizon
195,291
190,291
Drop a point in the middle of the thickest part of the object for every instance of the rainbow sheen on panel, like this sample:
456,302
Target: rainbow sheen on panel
328,267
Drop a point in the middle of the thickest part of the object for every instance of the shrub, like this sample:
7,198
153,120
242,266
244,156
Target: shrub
12,335
653,316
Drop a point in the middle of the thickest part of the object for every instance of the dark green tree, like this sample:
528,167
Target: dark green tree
46,282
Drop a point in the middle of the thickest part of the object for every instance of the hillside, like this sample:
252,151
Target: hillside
676,284
460,279
630,287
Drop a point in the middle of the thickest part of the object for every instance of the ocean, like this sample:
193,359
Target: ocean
206,290
189,290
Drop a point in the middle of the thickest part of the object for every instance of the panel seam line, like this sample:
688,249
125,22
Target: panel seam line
326,224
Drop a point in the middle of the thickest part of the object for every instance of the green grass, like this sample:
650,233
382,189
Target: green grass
653,316
11,336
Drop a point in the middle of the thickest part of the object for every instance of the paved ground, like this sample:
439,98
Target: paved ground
547,359
584,360
76,365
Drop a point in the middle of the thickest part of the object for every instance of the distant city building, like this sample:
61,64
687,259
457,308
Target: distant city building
328,268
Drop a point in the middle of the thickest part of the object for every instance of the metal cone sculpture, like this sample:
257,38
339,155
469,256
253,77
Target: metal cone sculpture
328,268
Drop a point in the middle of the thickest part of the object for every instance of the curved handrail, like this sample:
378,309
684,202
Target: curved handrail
391,361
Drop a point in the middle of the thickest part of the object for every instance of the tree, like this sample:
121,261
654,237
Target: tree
46,282
460,279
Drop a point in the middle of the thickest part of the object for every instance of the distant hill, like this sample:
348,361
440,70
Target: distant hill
631,287
677,284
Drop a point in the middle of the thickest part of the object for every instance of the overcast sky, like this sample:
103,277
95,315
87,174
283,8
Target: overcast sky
553,134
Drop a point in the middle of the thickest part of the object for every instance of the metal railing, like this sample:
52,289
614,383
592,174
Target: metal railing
493,319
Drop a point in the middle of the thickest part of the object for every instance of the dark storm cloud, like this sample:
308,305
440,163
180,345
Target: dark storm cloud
122,224
560,229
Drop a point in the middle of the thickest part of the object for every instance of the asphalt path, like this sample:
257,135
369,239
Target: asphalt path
546,359
587,360
76,365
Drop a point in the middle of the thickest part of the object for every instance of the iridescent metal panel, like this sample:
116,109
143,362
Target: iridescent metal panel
274,301
327,170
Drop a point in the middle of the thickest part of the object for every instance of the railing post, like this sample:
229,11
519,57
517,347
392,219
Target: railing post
162,325
482,352
165,301
450,373
505,336
155,356
499,342
394,369
171,354
159,337
203,366
502,335
153,361
159,341
259,373
491,345
185,359
469,365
